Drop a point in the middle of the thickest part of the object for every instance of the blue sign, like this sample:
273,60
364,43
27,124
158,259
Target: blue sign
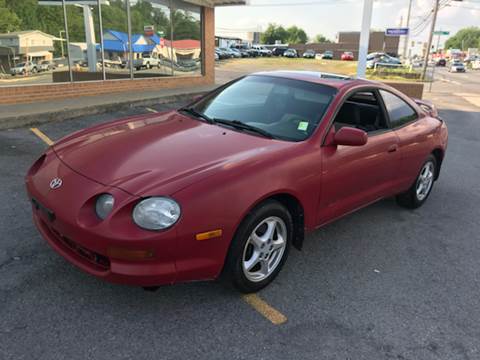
396,31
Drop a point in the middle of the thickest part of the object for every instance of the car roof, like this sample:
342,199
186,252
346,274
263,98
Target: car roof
337,81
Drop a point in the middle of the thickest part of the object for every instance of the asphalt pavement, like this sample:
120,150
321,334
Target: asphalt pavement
382,283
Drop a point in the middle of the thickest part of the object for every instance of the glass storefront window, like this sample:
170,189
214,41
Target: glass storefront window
32,43
166,40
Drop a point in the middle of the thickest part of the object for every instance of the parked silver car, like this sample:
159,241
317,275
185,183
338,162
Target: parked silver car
24,68
46,65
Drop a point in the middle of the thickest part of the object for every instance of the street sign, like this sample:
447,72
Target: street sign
441,32
396,31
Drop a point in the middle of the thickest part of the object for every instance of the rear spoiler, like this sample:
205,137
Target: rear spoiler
428,107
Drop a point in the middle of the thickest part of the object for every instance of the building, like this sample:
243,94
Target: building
18,46
349,41
195,44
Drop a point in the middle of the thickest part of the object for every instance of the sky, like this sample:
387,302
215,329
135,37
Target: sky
328,17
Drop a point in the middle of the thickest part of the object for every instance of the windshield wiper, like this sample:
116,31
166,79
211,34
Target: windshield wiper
197,114
243,126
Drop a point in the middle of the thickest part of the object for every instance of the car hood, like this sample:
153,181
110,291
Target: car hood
158,152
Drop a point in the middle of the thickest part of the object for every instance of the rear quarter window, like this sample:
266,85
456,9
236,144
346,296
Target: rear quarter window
399,112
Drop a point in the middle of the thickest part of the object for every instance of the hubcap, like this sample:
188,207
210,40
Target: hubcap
264,249
425,180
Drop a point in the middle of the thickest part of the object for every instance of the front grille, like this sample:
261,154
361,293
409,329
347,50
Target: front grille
99,261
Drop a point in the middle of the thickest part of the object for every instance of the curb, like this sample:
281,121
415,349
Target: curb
68,113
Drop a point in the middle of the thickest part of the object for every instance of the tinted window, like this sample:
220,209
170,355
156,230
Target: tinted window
398,110
287,109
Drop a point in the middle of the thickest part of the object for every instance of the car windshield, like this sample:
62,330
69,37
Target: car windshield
286,109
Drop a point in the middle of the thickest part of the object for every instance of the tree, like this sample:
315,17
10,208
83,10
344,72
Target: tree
9,21
464,39
296,35
274,33
321,39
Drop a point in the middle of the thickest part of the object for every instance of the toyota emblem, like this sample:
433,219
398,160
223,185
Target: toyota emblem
55,183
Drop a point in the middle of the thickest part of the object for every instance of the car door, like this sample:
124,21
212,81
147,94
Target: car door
354,176
413,133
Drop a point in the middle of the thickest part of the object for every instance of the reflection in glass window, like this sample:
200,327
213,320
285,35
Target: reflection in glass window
166,40
32,43
187,34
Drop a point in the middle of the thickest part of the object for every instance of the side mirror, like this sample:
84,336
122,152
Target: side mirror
349,136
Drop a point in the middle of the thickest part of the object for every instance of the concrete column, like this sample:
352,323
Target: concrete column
364,38
90,38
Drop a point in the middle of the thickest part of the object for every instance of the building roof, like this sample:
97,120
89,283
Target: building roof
213,3
25,32
184,44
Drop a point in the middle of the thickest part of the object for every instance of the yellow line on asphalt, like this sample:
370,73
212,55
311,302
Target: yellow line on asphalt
273,315
42,136
151,110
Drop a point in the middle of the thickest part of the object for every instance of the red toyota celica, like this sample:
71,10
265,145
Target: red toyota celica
224,186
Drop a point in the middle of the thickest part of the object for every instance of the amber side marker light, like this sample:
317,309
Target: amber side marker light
208,235
125,254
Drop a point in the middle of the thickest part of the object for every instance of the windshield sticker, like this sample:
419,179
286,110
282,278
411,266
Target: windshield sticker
302,126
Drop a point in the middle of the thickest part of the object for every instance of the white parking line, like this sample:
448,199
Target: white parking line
151,110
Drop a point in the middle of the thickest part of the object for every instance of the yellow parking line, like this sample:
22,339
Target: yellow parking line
273,315
151,110
42,136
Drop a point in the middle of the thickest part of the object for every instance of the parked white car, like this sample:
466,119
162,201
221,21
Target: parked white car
263,51
147,61
457,66
24,68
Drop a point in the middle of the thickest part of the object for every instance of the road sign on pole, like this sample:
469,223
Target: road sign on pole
440,32
396,31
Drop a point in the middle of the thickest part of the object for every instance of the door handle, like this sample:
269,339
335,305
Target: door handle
393,148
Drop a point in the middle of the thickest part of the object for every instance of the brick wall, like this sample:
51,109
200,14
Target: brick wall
33,93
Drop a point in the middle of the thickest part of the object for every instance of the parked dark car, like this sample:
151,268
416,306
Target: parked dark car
441,62
222,54
309,54
327,55
278,51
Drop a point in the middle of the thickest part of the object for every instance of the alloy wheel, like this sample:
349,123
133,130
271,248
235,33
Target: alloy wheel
264,249
425,180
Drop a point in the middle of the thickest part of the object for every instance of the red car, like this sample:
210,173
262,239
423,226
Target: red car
225,186
347,56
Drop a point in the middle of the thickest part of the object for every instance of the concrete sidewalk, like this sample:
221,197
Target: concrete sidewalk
18,115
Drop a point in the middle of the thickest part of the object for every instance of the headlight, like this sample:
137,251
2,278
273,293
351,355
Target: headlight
104,205
156,213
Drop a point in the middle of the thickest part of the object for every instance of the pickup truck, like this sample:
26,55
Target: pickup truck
147,61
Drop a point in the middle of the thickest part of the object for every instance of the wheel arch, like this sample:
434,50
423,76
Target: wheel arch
439,154
296,209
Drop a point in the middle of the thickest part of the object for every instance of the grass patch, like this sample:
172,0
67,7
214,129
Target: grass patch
250,65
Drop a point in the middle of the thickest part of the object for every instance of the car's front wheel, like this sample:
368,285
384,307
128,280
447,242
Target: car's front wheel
260,247
422,187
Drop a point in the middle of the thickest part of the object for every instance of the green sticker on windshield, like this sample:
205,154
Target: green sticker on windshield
302,126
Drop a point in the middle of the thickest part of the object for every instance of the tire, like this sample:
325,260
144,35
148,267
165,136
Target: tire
264,257
422,187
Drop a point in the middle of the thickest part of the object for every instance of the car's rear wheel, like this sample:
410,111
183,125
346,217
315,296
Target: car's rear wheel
260,247
422,187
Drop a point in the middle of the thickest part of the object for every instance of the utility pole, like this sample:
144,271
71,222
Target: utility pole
430,39
407,37
364,38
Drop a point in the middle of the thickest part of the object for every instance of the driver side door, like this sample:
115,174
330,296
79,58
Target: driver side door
354,176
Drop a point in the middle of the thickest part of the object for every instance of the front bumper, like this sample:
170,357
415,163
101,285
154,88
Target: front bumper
66,219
